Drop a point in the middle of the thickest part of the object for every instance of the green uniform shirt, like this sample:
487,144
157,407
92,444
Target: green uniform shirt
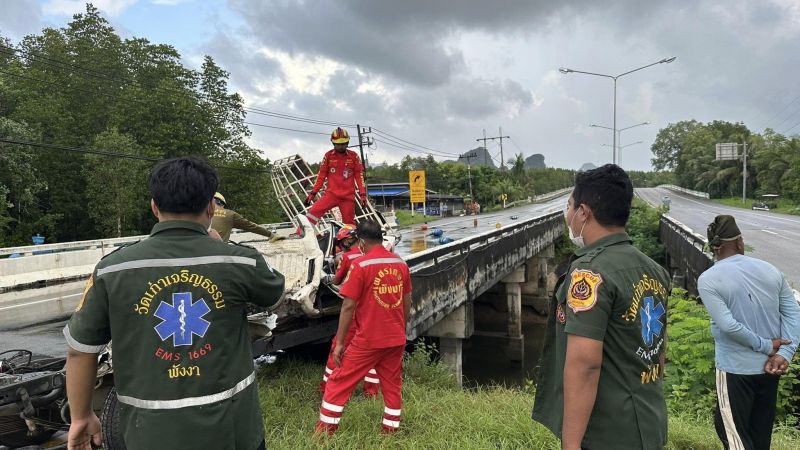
174,306
227,219
615,294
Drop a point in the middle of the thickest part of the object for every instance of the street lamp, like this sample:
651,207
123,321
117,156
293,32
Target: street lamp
565,70
619,135
623,146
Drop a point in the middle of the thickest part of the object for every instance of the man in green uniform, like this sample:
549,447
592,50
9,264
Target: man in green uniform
600,385
227,219
174,305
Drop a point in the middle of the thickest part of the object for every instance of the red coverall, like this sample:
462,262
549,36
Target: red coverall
377,282
340,170
371,382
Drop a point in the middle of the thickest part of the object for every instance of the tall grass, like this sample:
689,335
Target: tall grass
436,414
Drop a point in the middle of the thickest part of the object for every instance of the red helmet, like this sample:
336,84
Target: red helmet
345,232
340,136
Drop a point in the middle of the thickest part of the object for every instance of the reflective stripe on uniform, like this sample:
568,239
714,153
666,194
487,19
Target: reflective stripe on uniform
328,370
390,411
391,423
189,401
324,378
180,262
331,407
371,262
81,347
372,371
328,419
371,380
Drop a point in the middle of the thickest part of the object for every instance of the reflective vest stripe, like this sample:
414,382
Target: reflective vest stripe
189,401
179,262
371,262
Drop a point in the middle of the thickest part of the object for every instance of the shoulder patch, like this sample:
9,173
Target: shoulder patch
125,245
590,255
89,285
582,294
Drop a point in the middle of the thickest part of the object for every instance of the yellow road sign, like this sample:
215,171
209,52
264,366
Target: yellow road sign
416,181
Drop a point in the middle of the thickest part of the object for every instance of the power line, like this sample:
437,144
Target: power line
780,112
110,154
286,129
85,91
387,135
411,149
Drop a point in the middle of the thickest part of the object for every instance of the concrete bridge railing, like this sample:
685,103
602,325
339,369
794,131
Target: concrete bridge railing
672,187
686,254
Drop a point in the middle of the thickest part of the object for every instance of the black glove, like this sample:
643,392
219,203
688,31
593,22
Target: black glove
310,198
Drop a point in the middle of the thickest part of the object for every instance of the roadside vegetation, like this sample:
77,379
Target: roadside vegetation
439,415
785,206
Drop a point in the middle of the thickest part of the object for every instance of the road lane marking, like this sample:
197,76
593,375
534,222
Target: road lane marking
771,232
40,301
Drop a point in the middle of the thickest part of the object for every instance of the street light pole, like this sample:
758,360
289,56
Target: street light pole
618,135
565,70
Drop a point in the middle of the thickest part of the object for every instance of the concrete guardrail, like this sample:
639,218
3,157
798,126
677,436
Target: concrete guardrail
672,187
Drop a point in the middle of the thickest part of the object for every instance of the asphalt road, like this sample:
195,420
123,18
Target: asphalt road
415,239
773,237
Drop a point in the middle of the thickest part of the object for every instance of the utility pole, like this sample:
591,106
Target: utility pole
467,156
500,137
485,150
744,174
361,132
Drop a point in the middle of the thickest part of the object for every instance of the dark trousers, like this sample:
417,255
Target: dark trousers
263,445
745,410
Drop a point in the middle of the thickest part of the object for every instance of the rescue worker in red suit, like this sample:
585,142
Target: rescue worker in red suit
377,298
345,238
344,172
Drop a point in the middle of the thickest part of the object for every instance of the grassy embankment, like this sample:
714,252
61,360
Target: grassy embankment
406,219
784,206
436,414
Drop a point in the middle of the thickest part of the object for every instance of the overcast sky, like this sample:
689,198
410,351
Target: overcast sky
439,72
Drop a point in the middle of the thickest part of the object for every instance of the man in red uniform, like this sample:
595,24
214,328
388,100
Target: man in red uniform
377,295
341,167
346,237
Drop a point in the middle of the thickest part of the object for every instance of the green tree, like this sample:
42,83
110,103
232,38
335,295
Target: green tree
116,189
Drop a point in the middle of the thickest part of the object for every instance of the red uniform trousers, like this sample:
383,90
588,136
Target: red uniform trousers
328,200
371,381
356,363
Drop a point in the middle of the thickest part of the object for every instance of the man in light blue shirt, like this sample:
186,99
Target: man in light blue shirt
755,321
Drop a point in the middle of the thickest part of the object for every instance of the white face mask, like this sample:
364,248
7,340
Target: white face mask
577,240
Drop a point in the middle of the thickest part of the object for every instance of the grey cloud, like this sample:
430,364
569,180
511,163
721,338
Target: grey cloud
246,66
477,99
407,51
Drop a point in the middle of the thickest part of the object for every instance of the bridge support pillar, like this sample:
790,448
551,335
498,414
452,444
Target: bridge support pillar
451,331
513,287
535,290
450,351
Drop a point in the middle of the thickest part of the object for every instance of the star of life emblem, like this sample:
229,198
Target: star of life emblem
182,320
